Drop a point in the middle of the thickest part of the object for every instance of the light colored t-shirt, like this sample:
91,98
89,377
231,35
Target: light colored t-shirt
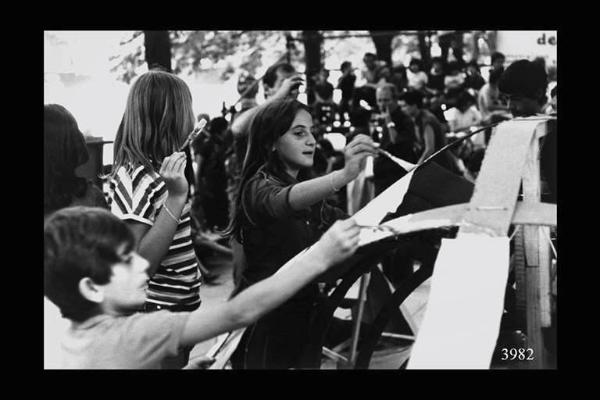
416,80
138,341
464,120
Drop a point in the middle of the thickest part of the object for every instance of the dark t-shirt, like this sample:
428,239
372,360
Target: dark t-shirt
436,82
424,119
276,232
474,81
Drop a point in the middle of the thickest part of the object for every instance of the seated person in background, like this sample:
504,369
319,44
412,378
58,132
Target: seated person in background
64,151
453,83
372,76
97,280
465,114
372,73
430,136
488,100
398,138
399,78
497,61
524,82
360,116
474,80
417,79
322,82
435,80
324,108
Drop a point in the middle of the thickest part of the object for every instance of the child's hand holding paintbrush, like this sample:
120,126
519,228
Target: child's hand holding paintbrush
192,136
404,164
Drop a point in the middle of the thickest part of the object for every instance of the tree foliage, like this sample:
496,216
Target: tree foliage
195,51
228,51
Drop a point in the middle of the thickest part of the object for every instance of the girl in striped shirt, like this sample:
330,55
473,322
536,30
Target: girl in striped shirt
149,190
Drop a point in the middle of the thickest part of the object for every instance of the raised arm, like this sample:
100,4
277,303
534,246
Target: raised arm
307,193
336,245
153,242
240,124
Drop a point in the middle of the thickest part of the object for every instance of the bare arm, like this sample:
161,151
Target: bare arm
337,244
307,193
241,122
153,242
428,137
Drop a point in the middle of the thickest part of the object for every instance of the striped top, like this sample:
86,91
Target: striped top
139,195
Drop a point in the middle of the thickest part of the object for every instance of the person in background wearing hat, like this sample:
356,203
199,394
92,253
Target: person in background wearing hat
524,83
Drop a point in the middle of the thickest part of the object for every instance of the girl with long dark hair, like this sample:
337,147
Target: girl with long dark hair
277,213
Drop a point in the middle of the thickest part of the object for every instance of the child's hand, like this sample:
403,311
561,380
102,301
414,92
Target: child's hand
339,242
356,153
172,172
289,87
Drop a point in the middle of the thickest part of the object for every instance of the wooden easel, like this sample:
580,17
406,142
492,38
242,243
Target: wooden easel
511,161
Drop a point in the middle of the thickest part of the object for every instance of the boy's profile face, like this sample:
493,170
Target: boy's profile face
126,290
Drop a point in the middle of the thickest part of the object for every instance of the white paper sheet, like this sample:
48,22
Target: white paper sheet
224,348
462,318
388,201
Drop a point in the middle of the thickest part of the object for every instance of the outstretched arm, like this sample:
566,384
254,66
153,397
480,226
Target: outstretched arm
336,245
307,193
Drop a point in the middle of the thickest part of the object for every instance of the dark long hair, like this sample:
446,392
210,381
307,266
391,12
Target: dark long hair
64,151
270,123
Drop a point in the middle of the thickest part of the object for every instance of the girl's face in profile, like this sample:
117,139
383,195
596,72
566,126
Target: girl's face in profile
296,147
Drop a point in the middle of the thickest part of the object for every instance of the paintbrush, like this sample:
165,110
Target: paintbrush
404,164
197,129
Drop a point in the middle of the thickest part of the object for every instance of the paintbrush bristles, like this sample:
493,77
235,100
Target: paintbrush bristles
197,129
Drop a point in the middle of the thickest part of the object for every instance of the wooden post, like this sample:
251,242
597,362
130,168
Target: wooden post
537,257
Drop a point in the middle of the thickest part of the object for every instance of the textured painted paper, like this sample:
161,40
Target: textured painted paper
388,201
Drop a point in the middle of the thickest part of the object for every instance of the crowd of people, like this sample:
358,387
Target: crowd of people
261,183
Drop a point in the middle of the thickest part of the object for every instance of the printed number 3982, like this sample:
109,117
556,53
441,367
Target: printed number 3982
520,354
